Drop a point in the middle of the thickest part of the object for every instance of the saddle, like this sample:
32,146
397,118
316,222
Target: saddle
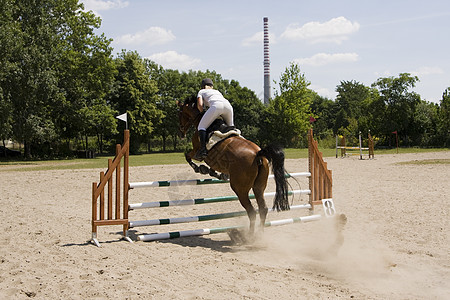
219,131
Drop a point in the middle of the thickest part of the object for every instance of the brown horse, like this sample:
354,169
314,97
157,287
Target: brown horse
245,164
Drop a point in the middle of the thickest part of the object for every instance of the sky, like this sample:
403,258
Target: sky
331,41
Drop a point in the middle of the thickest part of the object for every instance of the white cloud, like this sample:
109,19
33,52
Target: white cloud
324,92
151,37
258,38
99,5
174,60
321,59
335,30
424,71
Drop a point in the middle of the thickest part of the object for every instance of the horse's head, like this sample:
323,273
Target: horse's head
188,114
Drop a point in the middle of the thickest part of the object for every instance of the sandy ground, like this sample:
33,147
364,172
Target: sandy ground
396,240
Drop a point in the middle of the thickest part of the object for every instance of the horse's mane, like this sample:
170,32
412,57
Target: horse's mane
190,100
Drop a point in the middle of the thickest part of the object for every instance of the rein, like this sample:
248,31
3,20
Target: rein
191,121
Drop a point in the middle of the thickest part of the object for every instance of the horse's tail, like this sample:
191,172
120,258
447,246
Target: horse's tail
275,155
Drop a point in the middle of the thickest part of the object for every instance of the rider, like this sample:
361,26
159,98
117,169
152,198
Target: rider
218,106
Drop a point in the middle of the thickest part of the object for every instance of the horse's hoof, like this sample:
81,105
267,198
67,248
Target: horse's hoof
223,176
204,169
236,236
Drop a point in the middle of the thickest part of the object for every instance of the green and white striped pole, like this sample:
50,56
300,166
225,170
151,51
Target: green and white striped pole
166,183
202,218
206,231
204,200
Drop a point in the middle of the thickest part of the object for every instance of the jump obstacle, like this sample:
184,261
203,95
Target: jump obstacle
112,210
344,148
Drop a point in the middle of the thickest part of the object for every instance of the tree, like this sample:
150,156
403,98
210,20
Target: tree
443,123
32,87
423,126
8,30
289,112
5,119
170,89
136,93
100,121
248,109
351,104
324,111
399,104
86,73
54,65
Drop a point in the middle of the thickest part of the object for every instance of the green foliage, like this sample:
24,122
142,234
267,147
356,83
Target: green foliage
324,111
288,113
397,104
60,88
136,93
351,106
54,67
443,122
248,110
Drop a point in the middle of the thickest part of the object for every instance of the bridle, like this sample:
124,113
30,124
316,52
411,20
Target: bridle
191,121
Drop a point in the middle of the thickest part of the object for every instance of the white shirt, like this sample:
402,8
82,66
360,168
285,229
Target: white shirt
210,96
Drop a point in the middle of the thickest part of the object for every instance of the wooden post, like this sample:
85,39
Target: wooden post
110,187
102,197
320,182
310,168
371,146
343,146
94,208
126,184
98,191
118,149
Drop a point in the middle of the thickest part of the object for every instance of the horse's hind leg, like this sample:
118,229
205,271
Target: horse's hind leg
262,208
258,189
242,193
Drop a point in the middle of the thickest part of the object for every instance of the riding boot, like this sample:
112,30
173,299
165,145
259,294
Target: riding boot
202,152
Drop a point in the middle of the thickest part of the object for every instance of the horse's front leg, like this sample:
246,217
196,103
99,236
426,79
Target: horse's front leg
202,169
188,157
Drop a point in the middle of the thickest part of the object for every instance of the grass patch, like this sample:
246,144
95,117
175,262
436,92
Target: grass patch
303,153
92,163
439,161
174,158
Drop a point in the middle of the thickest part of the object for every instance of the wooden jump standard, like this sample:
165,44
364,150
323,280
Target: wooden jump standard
320,185
343,147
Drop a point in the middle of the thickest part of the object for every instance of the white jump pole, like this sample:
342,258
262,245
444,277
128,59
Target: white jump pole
336,146
206,231
199,181
360,146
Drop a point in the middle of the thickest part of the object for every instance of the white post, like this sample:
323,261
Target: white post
336,146
360,146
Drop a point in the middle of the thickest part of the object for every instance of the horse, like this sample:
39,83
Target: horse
243,162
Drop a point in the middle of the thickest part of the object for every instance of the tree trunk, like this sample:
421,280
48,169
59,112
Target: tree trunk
27,149
164,141
4,146
175,142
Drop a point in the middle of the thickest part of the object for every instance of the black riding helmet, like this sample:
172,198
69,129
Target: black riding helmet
206,82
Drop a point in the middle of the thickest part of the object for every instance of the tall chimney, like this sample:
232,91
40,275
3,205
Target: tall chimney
266,62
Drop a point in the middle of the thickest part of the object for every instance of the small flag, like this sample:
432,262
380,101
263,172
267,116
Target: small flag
394,132
311,119
124,117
